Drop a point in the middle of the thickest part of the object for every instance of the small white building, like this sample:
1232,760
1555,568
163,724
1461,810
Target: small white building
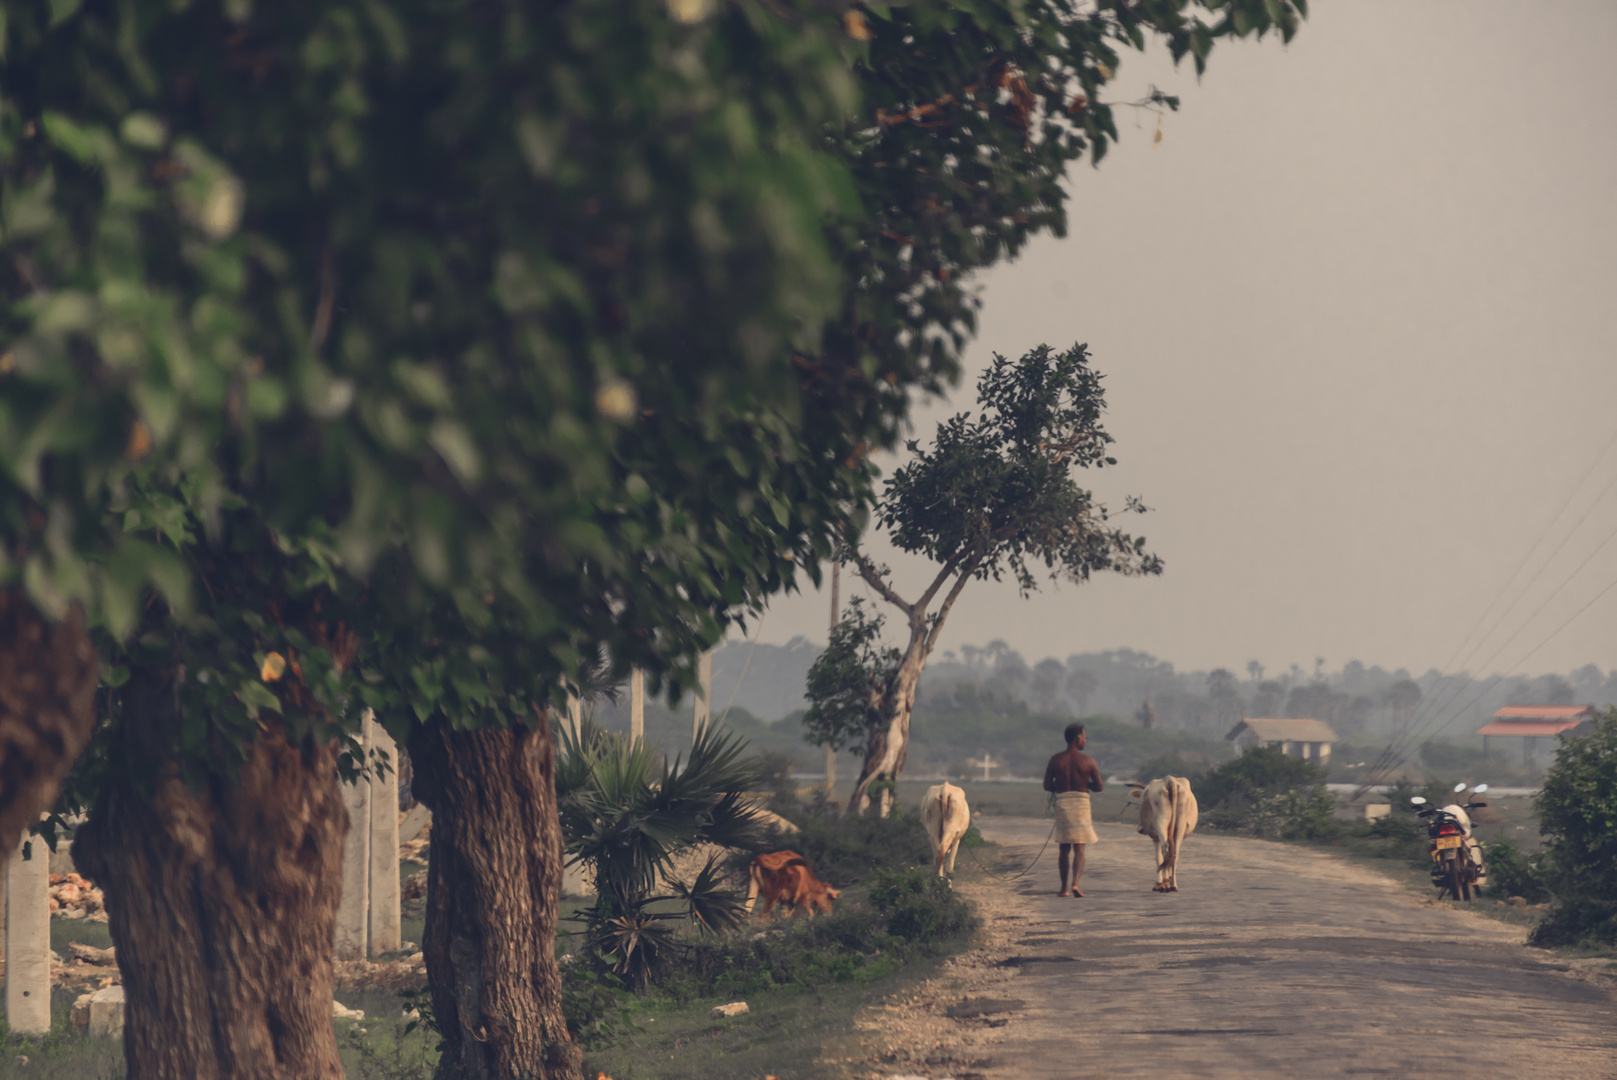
1308,739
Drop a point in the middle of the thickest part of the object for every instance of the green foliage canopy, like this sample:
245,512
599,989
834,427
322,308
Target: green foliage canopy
996,494
1578,815
846,681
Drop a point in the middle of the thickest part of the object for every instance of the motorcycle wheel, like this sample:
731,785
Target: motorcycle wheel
1454,880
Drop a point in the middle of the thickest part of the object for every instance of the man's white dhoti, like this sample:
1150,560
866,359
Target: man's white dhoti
1073,822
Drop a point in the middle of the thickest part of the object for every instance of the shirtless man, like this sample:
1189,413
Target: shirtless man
1072,775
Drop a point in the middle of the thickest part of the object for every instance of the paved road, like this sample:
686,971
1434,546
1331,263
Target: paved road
1274,961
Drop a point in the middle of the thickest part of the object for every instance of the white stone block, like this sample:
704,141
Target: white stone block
384,935
28,938
107,1013
735,1008
412,824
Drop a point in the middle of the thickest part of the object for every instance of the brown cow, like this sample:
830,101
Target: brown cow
784,877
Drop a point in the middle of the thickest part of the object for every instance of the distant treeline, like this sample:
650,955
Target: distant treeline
1366,705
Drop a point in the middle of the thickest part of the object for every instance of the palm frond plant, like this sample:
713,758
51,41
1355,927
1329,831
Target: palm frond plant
627,813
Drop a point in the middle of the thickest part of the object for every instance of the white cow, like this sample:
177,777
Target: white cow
1167,816
946,817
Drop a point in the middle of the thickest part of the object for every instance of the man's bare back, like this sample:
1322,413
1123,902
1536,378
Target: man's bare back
1072,770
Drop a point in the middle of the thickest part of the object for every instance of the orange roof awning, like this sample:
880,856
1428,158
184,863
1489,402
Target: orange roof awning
1529,727
1545,712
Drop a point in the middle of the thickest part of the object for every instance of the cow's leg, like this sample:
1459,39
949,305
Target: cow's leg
752,889
1162,865
954,849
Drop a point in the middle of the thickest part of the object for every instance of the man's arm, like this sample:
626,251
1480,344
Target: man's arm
1050,775
1094,776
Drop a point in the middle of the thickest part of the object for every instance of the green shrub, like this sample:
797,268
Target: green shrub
845,850
918,905
1269,794
1513,872
1578,814
592,1003
1259,772
908,914
1404,828
1297,814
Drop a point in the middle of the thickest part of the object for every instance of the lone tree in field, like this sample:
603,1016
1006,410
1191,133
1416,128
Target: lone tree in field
995,495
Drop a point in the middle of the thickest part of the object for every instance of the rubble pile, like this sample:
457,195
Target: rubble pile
72,897
414,887
409,973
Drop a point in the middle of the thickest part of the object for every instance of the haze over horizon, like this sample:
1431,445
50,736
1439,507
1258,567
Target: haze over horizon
1355,314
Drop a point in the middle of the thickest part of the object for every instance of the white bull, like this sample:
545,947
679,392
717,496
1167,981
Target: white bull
1167,816
946,817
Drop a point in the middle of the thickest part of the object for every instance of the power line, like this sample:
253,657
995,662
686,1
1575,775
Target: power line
1533,652
1393,755
1434,705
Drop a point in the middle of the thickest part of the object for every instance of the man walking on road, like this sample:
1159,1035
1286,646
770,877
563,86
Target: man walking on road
1072,775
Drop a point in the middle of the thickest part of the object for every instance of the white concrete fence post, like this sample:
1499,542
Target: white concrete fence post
836,617
28,938
637,704
385,935
704,694
353,910
368,915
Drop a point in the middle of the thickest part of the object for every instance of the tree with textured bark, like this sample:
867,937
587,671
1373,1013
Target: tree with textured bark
364,380
995,495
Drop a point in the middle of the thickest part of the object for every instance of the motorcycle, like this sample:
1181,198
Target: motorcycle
1457,866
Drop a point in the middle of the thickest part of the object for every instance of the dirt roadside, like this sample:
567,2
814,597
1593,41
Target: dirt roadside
1274,961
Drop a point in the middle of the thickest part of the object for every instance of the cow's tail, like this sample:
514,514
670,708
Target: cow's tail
943,817
1170,840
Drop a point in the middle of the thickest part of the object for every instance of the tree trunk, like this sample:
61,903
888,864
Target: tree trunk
887,749
493,893
222,900
48,677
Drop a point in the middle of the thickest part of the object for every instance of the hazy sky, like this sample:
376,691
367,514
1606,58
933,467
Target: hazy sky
1358,312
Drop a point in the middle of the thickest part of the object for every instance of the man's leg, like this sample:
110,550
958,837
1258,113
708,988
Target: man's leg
1066,850
1077,868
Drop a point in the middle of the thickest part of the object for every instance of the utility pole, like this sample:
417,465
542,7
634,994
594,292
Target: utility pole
836,616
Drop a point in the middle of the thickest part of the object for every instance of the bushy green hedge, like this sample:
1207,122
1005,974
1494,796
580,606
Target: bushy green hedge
908,914
1267,793
845,849
1514,872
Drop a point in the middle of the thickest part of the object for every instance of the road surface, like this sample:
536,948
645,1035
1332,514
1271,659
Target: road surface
1272,961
